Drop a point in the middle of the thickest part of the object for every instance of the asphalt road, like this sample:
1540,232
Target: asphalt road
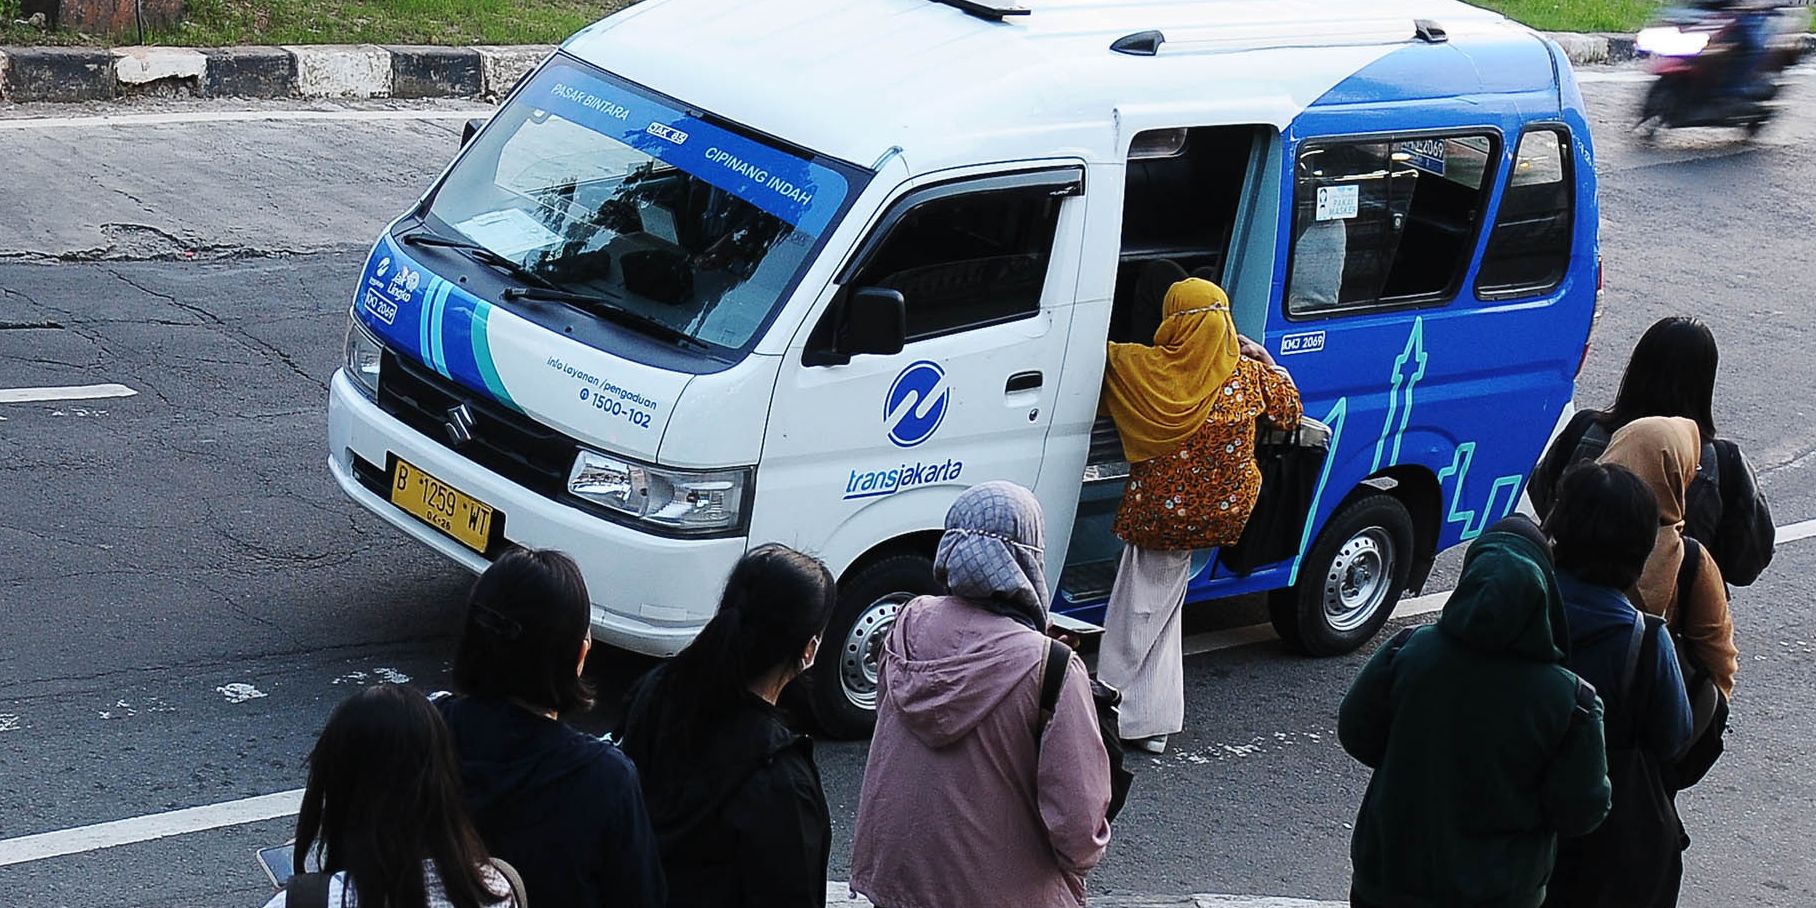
184,593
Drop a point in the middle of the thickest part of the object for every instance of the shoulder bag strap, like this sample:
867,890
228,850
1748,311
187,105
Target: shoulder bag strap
1635,643
307,890
1636,647
518,895
1052,679
1686,581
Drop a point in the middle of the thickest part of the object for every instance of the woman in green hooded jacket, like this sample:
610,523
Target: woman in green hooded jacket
1485,747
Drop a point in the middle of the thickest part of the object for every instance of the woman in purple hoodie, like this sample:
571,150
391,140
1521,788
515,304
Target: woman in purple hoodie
968,799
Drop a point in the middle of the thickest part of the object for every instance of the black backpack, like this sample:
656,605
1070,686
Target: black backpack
1627,861
1723,507
1107,699
1708,705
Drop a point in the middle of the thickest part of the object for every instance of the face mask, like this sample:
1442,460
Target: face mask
813,651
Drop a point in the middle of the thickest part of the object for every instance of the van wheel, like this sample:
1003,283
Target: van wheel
1351,579
844,675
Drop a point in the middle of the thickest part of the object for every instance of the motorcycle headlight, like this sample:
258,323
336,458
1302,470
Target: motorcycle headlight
362,357
1670,41
686,502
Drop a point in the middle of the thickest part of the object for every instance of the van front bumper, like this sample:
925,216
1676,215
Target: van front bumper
651,594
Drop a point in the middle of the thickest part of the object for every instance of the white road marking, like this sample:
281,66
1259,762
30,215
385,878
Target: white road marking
147,828
237,116
1796,532
1212,641
285,803
239,693
67,392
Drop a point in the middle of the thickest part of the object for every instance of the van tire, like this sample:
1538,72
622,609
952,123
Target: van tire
843,677
1351,579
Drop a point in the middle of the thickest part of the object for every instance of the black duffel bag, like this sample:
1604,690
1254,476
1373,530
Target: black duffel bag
1291,463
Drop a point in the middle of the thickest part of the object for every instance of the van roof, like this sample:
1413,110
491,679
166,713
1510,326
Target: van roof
853,79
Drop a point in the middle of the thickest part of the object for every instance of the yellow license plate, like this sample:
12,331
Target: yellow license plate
442,506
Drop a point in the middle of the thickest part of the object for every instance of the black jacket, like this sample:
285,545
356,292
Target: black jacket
563,807
739,813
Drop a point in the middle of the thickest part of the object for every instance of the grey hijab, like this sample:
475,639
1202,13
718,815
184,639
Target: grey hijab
991,553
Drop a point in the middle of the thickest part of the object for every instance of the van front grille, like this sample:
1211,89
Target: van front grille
503,440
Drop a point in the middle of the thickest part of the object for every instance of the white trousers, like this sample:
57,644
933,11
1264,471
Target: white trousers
1141,653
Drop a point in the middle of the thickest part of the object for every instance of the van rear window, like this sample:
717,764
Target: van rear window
1529,250
1386,222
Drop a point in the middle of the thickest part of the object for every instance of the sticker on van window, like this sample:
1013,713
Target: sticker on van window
1307,342
1426,154
1339,203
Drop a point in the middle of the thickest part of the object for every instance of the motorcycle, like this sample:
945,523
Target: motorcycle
1719,64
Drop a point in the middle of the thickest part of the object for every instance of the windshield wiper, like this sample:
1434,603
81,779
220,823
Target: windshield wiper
482,254
609,308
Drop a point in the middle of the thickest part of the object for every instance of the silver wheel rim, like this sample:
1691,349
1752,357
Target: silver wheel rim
862,651
1359,580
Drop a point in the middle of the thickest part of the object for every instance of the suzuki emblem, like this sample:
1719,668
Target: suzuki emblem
459,425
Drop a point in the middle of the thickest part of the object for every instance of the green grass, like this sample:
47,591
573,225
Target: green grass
215,23
1576,15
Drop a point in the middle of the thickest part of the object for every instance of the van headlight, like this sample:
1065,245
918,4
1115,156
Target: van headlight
686,502
362,357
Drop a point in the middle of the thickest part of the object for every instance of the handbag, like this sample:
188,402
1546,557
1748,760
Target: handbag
1107,699
1291,461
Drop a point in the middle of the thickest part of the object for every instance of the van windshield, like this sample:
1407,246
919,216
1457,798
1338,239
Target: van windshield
599,188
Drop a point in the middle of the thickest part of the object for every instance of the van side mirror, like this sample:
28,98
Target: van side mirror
869,320
470,130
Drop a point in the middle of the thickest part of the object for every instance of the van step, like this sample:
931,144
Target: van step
1085,582
1072,625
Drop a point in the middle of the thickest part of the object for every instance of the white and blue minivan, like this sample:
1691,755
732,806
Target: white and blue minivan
718,274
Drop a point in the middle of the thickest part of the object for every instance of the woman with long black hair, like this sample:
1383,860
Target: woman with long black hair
1672,373
732,790
564,807
383,812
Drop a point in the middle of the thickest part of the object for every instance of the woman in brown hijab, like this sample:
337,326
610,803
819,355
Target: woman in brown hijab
1663,451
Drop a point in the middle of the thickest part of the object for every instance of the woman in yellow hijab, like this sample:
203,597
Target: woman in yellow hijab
1186,407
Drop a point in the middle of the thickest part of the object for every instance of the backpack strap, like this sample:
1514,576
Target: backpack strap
519,897
307,890
1052,679
1686,581
1635,644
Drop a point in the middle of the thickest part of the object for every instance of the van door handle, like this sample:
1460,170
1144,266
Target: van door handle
1023,381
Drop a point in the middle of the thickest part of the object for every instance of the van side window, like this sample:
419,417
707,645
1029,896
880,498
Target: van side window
965,261
1529,250
1385,222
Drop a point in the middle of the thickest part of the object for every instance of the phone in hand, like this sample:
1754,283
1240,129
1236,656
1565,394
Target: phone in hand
279,864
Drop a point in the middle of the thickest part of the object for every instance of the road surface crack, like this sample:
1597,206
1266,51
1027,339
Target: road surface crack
244,337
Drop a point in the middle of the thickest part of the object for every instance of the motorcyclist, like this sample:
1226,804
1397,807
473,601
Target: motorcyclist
1749,36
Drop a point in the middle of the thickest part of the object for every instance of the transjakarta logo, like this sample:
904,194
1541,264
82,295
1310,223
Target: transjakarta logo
896,479
916,404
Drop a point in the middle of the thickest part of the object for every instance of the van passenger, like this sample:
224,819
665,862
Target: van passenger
565,808
967,799
1485,747
383,812
1672,373
1603,529
732,790
1186,408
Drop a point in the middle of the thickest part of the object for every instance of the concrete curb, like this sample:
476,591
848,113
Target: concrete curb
372,71
1587,49
299,71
